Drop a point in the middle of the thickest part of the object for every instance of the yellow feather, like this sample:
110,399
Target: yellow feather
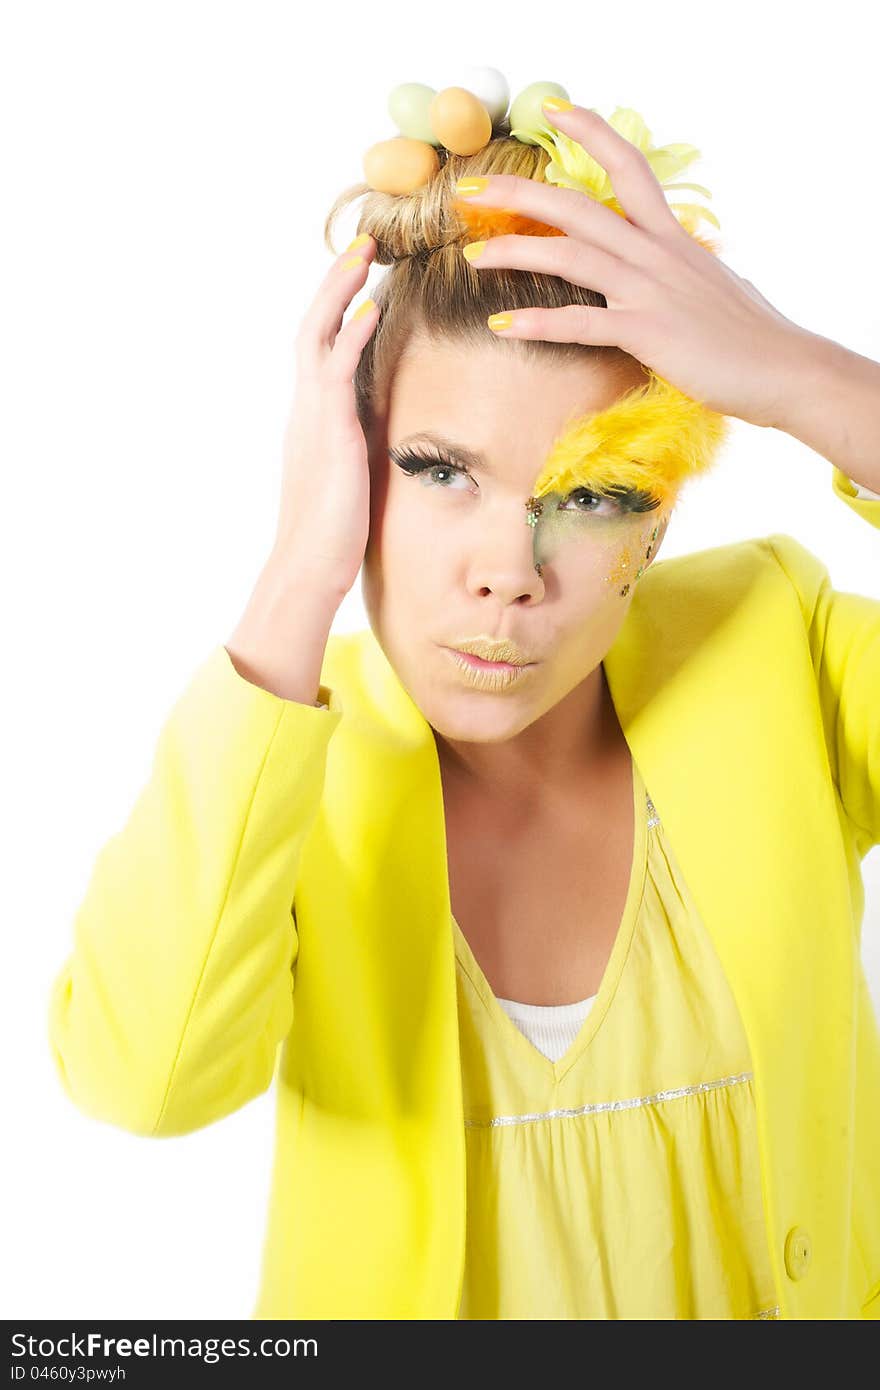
653,438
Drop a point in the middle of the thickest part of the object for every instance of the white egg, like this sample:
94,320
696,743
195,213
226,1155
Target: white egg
488,84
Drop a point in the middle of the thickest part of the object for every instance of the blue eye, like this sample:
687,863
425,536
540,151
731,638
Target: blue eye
430,467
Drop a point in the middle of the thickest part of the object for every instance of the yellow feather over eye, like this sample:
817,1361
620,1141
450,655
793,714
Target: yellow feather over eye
654,437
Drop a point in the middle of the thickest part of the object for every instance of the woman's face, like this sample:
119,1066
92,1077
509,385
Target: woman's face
451,556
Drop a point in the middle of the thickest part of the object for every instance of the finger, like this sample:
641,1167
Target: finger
572,211
634,182
573,260
575,323
345,354
322,320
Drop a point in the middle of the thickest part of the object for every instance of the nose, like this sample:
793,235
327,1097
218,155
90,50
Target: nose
501,558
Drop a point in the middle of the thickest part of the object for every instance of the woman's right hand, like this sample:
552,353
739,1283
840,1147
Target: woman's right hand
324,514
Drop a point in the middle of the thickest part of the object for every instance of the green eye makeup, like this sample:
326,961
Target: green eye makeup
583,514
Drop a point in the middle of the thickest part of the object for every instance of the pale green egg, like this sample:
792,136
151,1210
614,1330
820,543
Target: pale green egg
526,115
408,108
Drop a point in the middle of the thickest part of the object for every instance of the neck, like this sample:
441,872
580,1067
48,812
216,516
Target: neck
569,746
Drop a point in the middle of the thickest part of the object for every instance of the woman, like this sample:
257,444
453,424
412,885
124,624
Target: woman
562,950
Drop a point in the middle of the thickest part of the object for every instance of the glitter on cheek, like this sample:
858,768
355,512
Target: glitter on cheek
621,568
630,554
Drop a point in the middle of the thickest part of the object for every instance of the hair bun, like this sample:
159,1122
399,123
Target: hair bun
433,217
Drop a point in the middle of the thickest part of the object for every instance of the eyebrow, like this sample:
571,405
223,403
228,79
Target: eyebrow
469,457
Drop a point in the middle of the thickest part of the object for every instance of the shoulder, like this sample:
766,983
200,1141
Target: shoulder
728,574
346,650
357,671
744,594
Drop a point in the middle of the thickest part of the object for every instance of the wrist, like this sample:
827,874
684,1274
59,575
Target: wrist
808,370
832,405
289,571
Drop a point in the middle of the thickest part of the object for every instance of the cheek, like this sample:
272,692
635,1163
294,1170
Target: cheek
406,539
404,565
631,556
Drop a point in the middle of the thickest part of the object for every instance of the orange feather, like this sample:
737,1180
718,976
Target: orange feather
483,222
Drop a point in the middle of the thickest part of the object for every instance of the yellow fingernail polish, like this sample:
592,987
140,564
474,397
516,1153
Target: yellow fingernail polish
557,104
352,261
364,308
358,241
468,188
498,322
473,250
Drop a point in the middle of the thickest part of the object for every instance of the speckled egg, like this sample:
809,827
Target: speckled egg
525,109
400,165
408,108
489,85
460,121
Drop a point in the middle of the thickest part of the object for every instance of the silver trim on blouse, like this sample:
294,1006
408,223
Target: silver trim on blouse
599,1107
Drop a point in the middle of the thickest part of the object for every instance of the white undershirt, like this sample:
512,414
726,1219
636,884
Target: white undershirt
551,1028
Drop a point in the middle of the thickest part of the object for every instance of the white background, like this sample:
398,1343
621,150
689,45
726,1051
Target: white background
167,168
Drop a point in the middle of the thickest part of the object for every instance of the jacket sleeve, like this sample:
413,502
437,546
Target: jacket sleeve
843,631
857,496
169,1010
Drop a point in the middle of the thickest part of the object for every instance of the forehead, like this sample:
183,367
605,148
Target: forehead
499,401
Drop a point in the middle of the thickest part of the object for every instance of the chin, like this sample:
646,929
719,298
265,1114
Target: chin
475,717
456,710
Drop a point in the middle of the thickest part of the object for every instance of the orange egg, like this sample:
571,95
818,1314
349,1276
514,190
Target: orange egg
400,165
459,120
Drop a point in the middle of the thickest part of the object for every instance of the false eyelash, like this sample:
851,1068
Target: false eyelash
631,499
411,462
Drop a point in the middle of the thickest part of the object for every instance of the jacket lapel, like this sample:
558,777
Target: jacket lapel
713,682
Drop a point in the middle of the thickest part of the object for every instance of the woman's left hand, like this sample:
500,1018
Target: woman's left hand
672,304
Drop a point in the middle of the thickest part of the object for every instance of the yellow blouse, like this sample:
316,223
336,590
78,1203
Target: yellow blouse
623,1180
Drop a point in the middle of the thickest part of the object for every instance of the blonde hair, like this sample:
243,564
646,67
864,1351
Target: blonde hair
431,290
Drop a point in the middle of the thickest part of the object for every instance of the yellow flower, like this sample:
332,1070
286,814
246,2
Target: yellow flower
571,166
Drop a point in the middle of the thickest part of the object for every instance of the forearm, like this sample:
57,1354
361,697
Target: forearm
281,637
832,404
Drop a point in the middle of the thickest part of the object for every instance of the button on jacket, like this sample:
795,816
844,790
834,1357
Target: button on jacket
276,907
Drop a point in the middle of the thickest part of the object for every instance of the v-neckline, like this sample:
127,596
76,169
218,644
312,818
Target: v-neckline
550,1070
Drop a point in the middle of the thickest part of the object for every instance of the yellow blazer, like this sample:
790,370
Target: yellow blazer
282,879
